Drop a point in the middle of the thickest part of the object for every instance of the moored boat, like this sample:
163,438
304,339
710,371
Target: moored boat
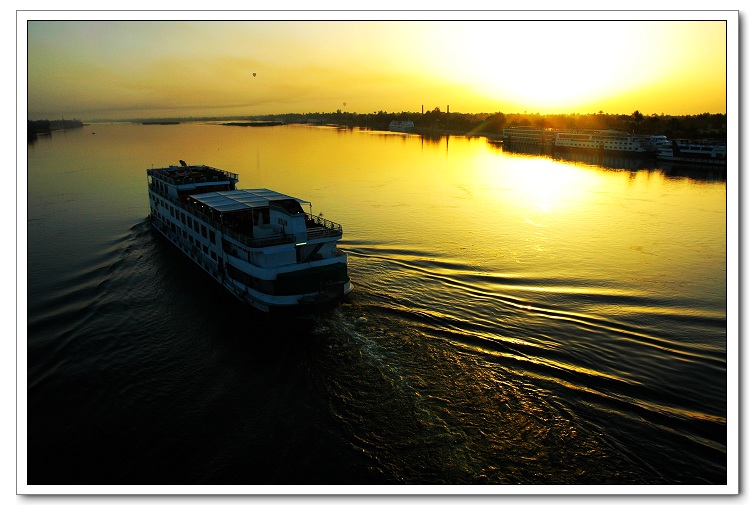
691,152
529,136
401,125
259,244
603,141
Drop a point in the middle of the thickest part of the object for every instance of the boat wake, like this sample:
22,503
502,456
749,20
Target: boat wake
421,326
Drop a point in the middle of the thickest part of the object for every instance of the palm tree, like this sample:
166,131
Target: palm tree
638,117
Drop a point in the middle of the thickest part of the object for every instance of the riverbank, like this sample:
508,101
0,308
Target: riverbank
47,126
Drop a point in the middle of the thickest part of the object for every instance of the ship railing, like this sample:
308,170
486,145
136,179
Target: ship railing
241,238
158,172
247,241
323,228
255,242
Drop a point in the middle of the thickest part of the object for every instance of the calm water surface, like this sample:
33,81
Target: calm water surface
516,319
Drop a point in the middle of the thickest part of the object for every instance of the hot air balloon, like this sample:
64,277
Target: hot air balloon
254,74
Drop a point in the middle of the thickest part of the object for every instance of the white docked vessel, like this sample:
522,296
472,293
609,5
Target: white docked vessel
257,243
606,141
529,136
401,125
685,151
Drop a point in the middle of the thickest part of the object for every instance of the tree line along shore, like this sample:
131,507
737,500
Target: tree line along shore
34,127
437,122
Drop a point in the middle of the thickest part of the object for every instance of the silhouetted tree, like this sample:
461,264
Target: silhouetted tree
637,118
493,123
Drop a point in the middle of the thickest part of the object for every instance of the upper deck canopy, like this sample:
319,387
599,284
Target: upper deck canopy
239,200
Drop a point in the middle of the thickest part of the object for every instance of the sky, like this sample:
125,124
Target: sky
122,69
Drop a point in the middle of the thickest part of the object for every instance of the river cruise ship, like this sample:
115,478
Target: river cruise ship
401,125
529,136
259,244
605,141
691,152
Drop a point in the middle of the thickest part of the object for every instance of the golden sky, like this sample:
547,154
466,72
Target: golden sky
126,69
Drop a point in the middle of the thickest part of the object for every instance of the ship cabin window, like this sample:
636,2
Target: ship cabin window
261,216
291,206
172,213
183,218
213,255
191,239
204,232
212,236
196,227
204,249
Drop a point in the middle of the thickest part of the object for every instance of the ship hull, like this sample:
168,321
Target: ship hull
693,160
330,293
603,151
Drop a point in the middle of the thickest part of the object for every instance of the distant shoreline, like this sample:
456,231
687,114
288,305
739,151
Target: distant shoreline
437,123
260,123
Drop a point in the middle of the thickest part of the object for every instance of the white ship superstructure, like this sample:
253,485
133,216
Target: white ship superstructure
607,141
529,136
259,244
401,125
685,151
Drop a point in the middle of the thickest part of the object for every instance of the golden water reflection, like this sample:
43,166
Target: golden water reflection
457,200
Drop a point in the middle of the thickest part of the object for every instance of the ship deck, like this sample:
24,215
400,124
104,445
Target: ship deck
180,175
237,212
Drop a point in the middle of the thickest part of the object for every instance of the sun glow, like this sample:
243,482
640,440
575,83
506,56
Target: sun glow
619,64
541,187
546,189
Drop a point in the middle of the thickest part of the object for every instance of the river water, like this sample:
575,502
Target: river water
517,319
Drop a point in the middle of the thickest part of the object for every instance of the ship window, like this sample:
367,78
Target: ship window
172,213
183,218
204,231
204,249
191,239
212,236
213,255
196,226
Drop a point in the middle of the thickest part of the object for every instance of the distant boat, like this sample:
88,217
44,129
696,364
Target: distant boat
604,141
686,151
401,125
528,135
